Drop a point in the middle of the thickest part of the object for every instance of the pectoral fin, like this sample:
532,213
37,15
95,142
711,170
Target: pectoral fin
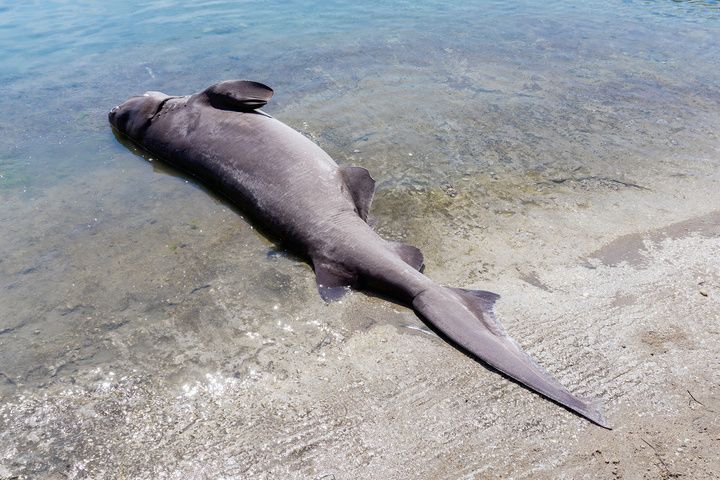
241,95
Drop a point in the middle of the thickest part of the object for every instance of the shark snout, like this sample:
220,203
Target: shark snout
112,114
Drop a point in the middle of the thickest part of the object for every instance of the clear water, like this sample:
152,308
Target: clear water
464,111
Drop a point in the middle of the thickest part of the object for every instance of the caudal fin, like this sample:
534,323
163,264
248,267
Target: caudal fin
466,318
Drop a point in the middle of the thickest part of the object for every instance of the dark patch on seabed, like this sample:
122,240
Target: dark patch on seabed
632,248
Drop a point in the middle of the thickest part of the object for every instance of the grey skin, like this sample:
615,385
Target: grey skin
297,192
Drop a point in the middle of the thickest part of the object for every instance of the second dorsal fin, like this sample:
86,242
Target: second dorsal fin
361,186
409,254
242,95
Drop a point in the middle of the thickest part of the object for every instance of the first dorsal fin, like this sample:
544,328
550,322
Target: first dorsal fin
361,186
242,95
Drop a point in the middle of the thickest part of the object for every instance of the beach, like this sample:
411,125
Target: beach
566,158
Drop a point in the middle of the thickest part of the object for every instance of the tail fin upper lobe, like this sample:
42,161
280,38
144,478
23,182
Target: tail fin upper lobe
465,317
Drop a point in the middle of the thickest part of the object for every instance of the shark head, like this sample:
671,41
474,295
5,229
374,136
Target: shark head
132,117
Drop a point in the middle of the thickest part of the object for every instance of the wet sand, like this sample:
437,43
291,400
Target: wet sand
175,371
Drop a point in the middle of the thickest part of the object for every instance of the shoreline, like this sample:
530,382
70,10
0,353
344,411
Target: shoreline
620,317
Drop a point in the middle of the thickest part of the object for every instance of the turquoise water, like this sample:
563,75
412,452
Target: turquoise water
65,63
467,113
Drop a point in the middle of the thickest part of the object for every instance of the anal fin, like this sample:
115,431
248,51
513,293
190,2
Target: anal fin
332,281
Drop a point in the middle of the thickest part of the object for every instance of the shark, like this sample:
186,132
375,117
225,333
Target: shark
296,191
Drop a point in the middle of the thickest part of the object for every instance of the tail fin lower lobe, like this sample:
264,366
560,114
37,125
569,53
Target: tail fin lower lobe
466,318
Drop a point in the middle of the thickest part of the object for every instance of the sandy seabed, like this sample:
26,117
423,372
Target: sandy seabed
200,356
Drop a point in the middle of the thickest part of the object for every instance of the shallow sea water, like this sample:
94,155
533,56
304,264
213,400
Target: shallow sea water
114,266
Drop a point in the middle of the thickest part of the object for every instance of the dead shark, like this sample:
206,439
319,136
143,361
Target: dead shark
297,192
